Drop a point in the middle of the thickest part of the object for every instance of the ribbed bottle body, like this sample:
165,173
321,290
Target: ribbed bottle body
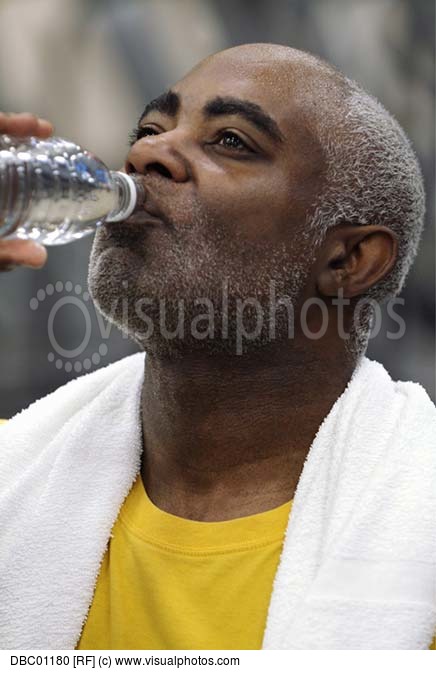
52,191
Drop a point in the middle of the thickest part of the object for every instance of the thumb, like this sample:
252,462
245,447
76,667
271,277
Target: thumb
22,253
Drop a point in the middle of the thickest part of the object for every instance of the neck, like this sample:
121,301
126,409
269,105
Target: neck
226,437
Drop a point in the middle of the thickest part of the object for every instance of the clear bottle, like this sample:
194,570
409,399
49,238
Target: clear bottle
54,192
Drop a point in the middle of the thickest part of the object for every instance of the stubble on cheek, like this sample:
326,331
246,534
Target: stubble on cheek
201,256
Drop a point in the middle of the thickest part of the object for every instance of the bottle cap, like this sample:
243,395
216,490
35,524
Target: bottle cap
128,197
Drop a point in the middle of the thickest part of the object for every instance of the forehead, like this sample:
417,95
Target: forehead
275,85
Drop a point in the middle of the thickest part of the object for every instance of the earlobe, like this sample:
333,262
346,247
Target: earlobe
354,258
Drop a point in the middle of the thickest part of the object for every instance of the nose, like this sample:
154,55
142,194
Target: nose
157,154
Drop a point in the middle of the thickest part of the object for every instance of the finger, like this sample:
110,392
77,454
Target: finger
45,128
24,253
25,124
20,124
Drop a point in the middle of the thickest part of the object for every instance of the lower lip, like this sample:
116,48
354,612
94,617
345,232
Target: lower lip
148,221
144,220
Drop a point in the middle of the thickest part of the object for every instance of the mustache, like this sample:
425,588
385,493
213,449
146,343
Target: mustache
173,202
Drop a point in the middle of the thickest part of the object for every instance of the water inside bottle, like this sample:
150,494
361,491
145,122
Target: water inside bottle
54,192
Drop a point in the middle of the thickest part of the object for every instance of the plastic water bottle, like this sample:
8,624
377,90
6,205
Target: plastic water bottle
54,192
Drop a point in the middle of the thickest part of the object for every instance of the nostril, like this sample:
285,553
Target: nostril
158,168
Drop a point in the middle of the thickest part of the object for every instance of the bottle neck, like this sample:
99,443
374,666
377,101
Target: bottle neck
130,196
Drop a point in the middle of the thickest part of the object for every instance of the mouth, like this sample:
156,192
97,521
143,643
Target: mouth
148,213
148,216
144,218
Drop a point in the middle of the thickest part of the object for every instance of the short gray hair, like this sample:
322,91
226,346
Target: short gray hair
372,176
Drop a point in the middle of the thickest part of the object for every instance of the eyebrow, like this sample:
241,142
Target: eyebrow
169,103
246,109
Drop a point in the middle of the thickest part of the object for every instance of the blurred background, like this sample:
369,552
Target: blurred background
91,65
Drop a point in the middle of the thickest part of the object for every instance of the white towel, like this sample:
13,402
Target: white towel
358,568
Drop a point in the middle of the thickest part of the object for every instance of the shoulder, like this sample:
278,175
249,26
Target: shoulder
90,394
393,413
413,395
83,389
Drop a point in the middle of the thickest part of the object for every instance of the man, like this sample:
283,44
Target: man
150,500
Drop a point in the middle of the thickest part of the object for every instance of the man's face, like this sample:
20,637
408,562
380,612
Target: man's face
231,170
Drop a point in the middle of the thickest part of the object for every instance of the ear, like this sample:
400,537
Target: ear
354,258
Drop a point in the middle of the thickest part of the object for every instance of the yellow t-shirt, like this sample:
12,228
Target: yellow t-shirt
171,583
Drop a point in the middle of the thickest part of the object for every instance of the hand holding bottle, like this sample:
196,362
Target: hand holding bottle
19,252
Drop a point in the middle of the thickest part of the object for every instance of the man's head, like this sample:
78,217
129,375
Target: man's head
268,172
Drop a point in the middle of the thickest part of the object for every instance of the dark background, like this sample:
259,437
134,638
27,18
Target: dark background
90,67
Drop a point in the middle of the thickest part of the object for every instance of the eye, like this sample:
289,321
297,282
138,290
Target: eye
141,132
231,140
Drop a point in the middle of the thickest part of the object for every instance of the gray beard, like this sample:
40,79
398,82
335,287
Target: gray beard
212,298
227,323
